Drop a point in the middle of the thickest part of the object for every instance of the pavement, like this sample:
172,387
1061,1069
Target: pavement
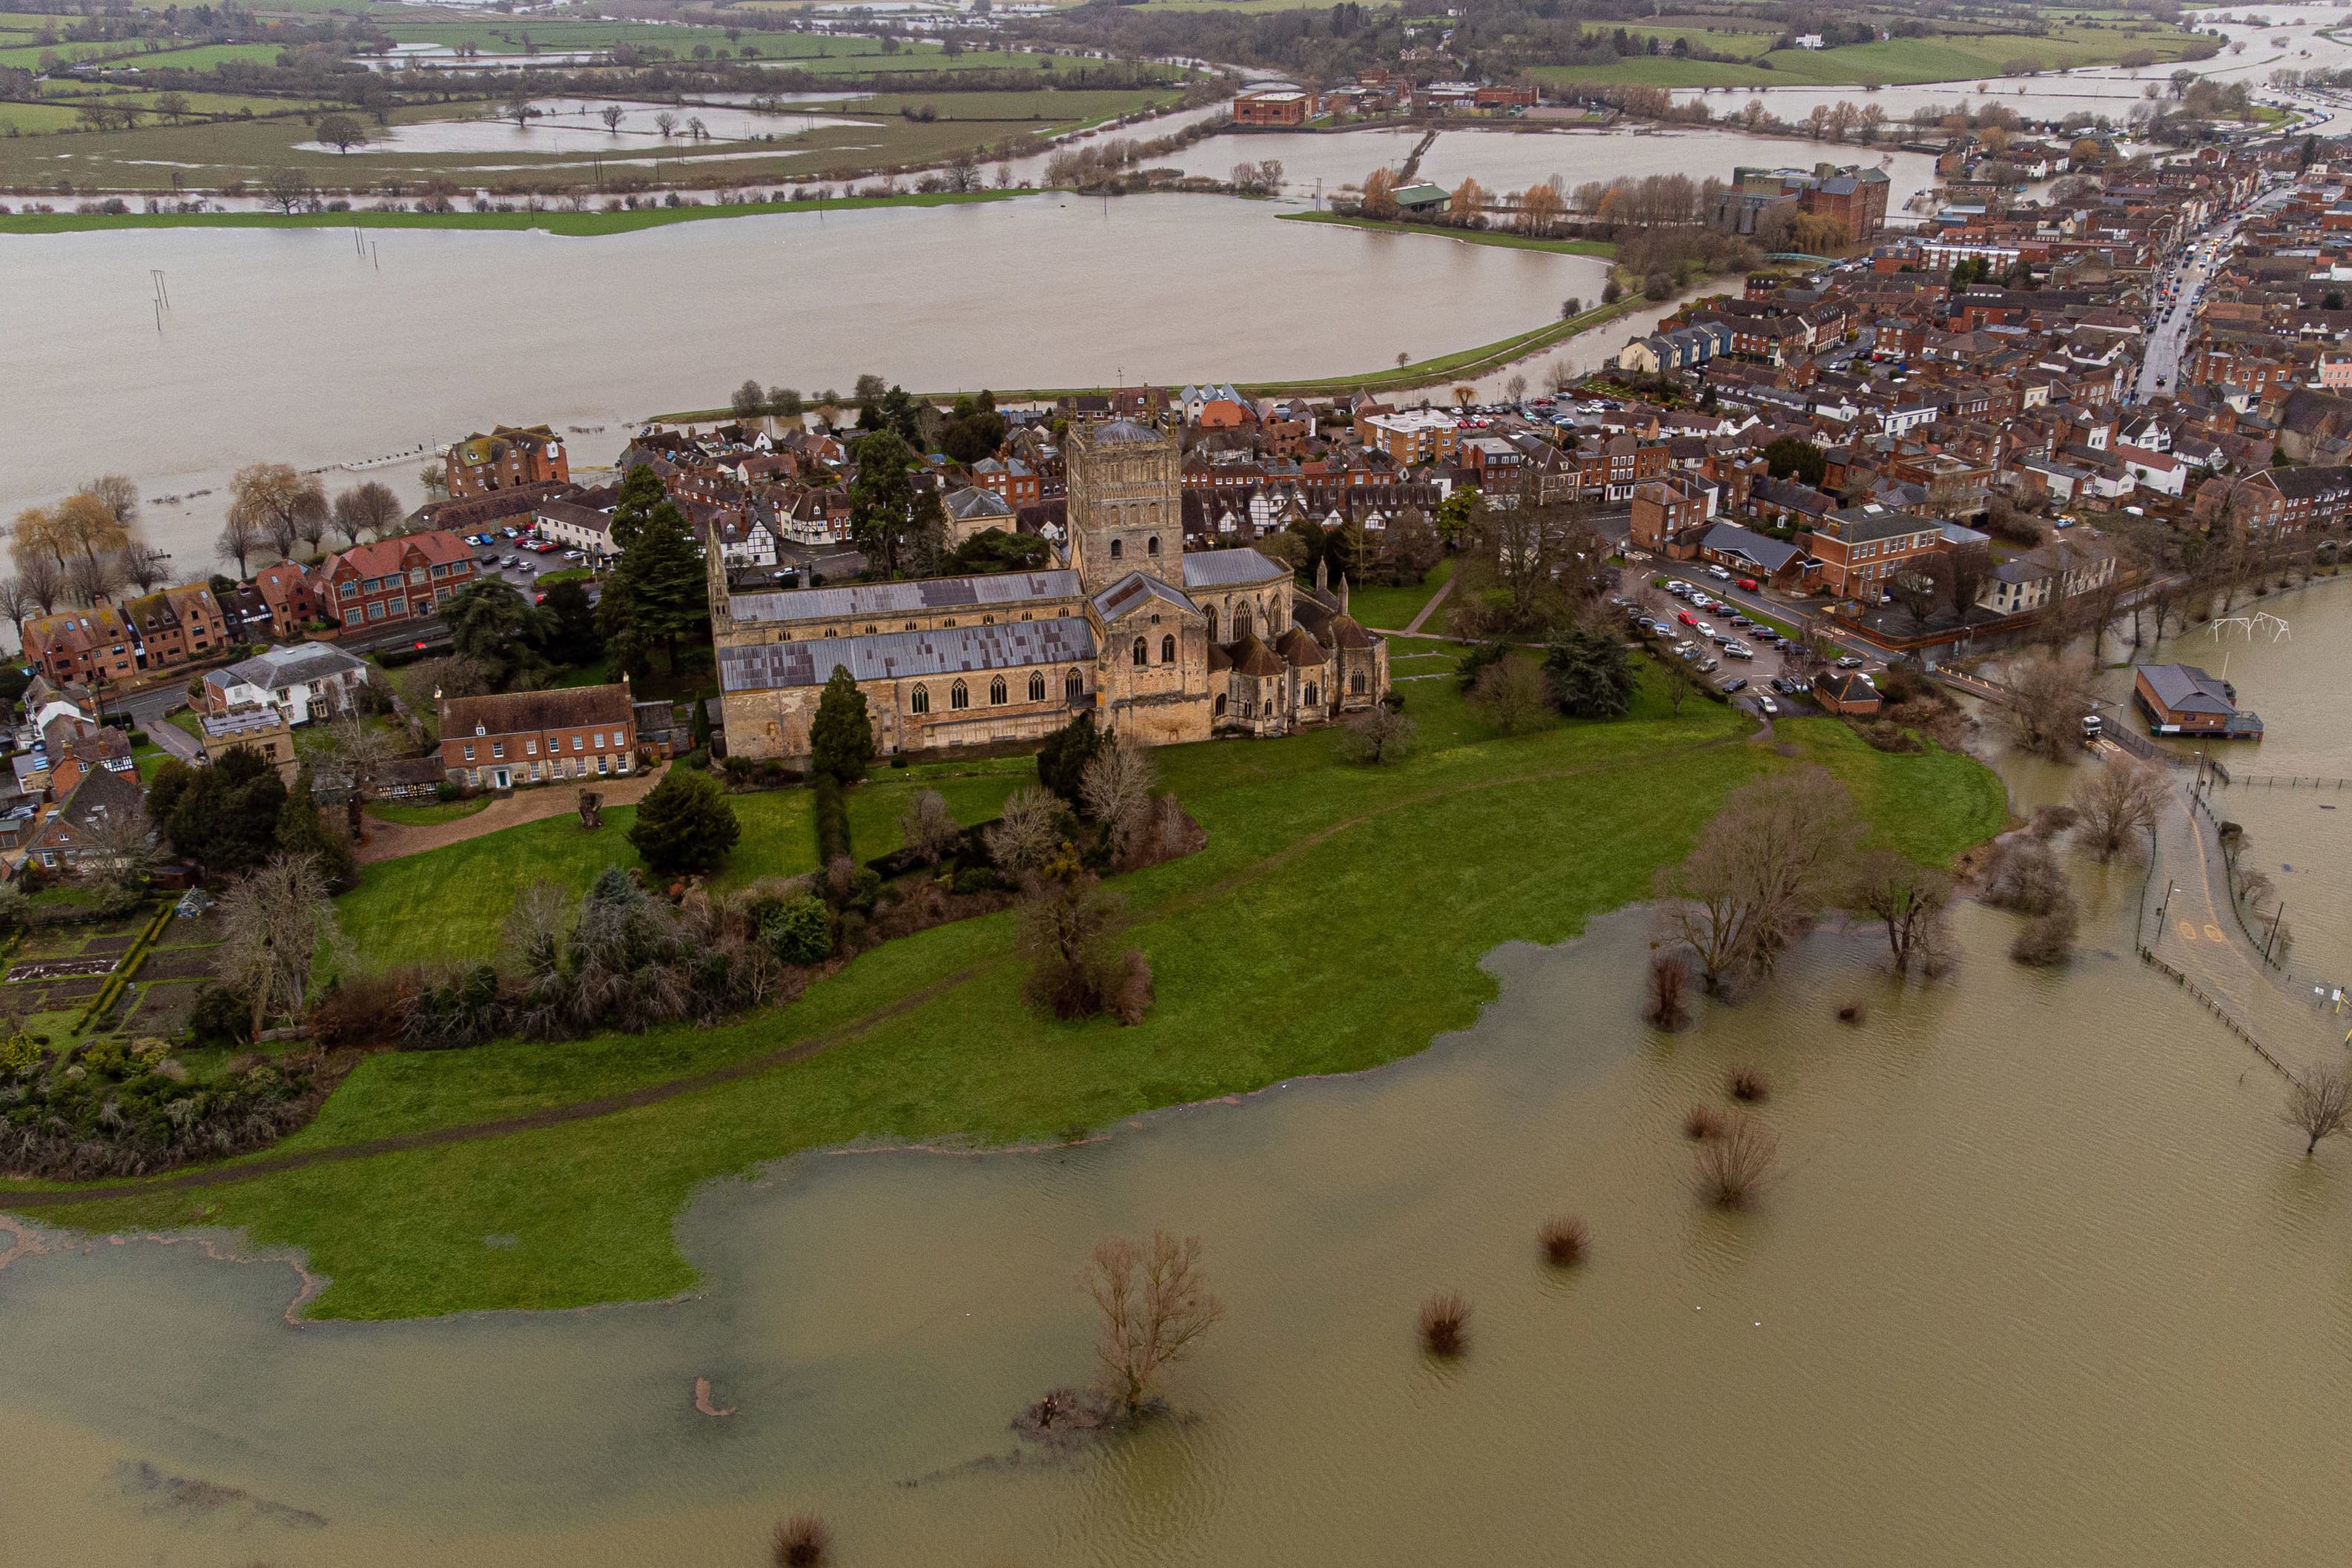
384,841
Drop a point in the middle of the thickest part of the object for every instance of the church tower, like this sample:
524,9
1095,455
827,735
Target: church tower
1126,508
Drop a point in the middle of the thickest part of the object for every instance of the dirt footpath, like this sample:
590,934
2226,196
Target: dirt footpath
390,841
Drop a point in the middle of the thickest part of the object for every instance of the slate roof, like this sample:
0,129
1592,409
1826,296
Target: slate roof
1128,591
511,713
1730,539
1227,568
2185,689
898,655
291,665
852,600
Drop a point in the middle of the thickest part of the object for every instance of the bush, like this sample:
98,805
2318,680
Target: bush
685,824
220,1016
974,879
699,758
800,931
1062,761
447,791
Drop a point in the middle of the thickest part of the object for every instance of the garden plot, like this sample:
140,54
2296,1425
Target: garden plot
62,968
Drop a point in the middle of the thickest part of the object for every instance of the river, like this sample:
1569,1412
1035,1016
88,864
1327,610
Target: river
2044,1279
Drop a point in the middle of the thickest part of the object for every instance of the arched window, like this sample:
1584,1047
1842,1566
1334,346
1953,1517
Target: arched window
1115,551
1142,652
1356,683
959,696
1310,696
1036,686
996,692
1220,704
921,701
1241,623
1168,650
1072,686
1151,546
1213,623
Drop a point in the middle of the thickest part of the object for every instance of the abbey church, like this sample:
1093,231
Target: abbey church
1157,644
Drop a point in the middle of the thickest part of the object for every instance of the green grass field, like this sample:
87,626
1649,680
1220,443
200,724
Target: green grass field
578,225
1334,923
1395,607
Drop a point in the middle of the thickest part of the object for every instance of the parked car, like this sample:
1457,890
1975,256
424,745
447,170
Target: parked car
1708,666
1685,617
1688,651
1703,630
511,533
1849,663
488,561
1747,585
1717,571
1734,651
513,560
1735,684
574,555
1768,707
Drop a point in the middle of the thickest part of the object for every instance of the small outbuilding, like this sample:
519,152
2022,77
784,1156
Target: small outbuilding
2183,699
1848,692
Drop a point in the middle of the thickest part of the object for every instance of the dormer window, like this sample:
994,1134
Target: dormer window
481,729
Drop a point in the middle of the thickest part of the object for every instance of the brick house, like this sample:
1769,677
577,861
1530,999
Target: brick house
286,590
1274,106
1860,548
1848,692
506,459
391,579
176,625
514,738
81,646
1410,437
1666,511
260,730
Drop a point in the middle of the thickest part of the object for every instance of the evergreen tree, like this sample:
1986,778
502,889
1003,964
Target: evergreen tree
1589,675
1062,761
626,649
881,500
902,415
573,639
666,584
225,818
841,738
492,623
641,492
302,831
685,824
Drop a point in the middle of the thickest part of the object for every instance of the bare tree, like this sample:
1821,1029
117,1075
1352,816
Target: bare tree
1681,681
1514,388
612,114
1512,694
286,189
275,503
119,847
2049,694
1918,588
1907,897
238,540
351,755
1117,789
367,511
2116,805
664,122
144,568
90,579
17,601
1029,832
1668,1006
43,582
1380,735
1761,870
119,495
1155,1305
273,922
930,827
2319,1105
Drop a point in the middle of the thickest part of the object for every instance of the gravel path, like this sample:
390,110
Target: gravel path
390,841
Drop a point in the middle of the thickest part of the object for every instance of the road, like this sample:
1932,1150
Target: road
2189,270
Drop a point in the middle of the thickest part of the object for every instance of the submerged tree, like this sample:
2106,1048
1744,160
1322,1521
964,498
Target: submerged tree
1908,898
1155,1305
1761,871
2320,1105
2116,805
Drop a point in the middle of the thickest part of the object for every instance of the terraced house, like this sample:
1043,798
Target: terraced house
176,625
391,579
511,739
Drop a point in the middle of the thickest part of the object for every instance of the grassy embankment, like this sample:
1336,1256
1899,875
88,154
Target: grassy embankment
1600,248
1334,923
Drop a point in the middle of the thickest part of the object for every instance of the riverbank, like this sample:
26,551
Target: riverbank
569,225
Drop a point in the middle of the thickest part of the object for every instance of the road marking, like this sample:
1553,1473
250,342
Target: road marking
2188,931
2213,933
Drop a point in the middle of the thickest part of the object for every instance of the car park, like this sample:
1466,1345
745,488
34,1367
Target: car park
1688,651
1703,629
1734,651
1734,684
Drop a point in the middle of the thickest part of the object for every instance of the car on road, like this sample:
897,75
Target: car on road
512,560
1734,684
1747,585
1717,572
1849,663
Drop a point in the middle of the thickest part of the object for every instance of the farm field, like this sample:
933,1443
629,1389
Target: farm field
1892,61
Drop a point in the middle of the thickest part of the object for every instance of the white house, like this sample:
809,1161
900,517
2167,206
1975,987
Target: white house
2157,471
301,682
575,527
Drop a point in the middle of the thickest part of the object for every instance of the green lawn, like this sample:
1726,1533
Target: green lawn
427,816
1958,57
1334,923
1395,607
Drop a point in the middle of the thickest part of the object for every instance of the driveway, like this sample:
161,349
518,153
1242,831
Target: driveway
391,840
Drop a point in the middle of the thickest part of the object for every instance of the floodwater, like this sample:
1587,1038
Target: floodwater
2043,1280
319,347
571,125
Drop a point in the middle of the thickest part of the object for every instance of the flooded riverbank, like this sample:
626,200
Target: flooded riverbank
2042,1280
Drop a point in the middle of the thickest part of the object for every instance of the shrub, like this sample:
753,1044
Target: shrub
800,931
975,879
1750,1087
220,1016
1062,761
1704,1122
1733,1168
685,824
1446,1325
801,1541
1668,1007
2047,938
360,1009
1563,1241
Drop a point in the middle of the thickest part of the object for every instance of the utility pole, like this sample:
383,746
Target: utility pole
2267,942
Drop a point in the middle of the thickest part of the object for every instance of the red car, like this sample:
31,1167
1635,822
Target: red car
1685,617
1747,585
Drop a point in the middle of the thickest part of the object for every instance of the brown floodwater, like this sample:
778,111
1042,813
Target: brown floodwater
2043,1280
